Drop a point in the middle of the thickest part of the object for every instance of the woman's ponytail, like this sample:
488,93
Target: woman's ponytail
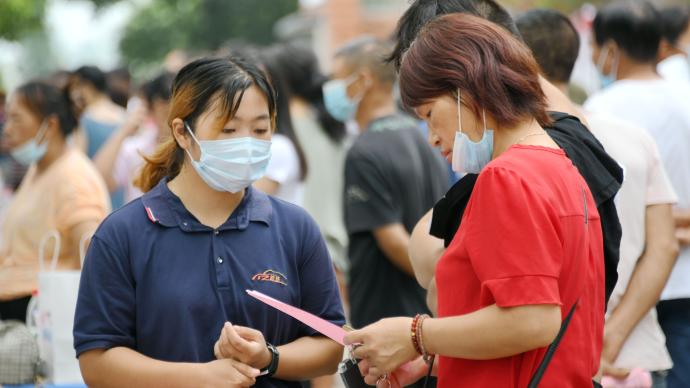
165,162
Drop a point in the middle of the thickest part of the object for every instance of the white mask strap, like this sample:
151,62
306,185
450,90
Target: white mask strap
41,132
193,137
459,112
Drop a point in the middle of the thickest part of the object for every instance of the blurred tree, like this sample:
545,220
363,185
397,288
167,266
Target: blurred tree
198,25
20,17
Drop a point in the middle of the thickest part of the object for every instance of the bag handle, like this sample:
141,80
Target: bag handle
541,369
56,250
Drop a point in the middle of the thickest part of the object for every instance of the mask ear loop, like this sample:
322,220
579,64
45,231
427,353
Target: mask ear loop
41,132
195,139
602,60
459,112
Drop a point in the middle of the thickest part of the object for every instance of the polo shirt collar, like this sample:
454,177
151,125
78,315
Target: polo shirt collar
163,207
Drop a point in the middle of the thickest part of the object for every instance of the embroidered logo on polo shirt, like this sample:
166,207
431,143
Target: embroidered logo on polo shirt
272,276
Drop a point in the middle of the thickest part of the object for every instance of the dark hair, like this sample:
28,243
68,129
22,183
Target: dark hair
492,69
159,88
119,95
283,118
196,88
674,21
423,11
45,100
635,26
304,79
554,41
370,53
93,76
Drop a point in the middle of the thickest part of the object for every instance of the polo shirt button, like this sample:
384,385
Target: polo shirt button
216,232
184,223
220,261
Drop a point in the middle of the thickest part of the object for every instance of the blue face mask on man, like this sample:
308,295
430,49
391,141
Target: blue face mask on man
338,103
231,165
605,80
31,151
470,157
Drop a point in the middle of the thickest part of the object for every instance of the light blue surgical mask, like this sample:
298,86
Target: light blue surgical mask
605,80
231,165
338,104
31,151
470,157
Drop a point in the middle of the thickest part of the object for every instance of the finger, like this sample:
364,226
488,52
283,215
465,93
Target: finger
226,348
249,334
618,373
237,342
360,352
247,370
216,350
354,337
363,367
371,379
376,371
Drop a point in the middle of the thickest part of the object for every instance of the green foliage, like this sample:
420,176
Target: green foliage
199,25
20,17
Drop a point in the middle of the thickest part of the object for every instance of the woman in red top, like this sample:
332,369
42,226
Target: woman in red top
530,245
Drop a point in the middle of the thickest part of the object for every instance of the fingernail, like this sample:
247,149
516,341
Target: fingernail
228,324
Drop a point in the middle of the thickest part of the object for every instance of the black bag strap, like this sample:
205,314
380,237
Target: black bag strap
536,378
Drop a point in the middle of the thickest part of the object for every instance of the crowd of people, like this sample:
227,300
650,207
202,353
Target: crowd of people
439,192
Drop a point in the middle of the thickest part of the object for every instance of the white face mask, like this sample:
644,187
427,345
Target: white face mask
31,151
231,165
468,156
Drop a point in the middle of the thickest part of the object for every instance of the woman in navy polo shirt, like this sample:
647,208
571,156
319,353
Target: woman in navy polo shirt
162,299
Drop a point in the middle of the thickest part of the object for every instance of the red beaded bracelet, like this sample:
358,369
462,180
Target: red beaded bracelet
414,334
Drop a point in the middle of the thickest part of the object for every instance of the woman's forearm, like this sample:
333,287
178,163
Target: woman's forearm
492,332
308,357
124,367
424,250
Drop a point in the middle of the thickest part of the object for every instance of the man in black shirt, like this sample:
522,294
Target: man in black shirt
392,176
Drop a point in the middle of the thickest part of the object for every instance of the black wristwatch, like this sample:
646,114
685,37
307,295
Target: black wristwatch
272,368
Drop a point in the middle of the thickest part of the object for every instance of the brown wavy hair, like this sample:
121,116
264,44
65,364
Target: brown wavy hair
492,69
199,86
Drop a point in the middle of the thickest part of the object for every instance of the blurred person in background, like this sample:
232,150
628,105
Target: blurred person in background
603,175
625,46
119,85
529,253
632,335
287,168
100,117
121,157
675,43
322,139
162,298
391,177
62,191
11,170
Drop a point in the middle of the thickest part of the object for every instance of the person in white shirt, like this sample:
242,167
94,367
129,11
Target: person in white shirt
287,169
675,44
633,337
625,46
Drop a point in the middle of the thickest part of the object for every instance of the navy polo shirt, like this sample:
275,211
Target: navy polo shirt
157,281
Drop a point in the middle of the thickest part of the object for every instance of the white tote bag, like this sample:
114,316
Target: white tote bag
57,300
